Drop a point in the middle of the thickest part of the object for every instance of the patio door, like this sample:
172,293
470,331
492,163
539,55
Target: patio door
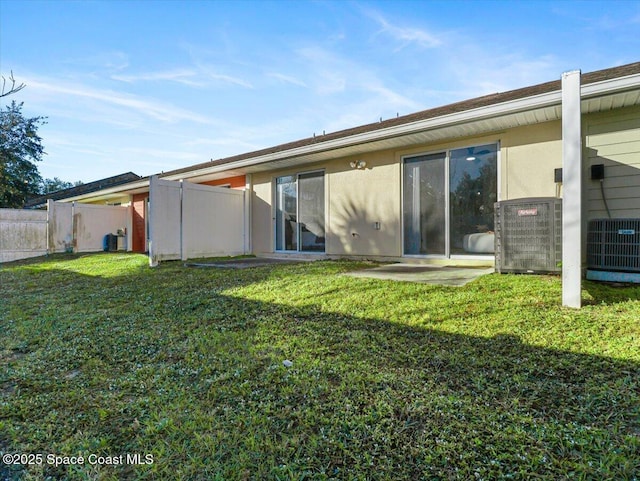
448,202
299,220
425,220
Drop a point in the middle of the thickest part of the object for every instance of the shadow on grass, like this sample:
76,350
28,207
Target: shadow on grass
610,293
180,369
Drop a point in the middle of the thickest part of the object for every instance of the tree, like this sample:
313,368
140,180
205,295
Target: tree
52,185
13,89
20,147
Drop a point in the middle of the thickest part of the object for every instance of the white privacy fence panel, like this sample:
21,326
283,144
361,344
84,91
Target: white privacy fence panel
212,221
23,234
63,227
60,226
92,222
191,220
164,219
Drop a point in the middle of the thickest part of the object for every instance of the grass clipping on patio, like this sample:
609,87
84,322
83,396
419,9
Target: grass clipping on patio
383,380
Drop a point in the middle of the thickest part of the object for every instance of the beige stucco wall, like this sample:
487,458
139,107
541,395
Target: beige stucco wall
123,200
529,156
356,199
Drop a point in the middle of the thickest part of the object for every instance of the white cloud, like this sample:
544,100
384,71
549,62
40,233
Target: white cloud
287,79
229,79
404,34
159,111
113,61
390,98
329,72
487,72
183,76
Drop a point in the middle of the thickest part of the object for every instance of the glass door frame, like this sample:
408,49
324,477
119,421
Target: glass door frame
447,182
298,249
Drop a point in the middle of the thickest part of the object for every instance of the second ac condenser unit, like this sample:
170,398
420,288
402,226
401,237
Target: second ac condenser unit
529,235
613,250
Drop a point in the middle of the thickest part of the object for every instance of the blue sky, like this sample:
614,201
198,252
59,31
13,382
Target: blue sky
150,86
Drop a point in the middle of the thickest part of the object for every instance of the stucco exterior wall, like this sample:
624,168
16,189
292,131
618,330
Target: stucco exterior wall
357,199
138,222
529,156
237,182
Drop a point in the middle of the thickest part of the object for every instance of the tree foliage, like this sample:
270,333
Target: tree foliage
20,148
53,185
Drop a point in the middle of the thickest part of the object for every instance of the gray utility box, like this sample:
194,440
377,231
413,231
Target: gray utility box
529,235
614,245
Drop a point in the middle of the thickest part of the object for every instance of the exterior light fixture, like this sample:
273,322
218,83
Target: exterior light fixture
358,164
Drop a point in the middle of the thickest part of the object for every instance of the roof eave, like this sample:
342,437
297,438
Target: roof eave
480,113
119,190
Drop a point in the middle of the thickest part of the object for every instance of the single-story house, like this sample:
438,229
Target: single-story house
419,187
40,201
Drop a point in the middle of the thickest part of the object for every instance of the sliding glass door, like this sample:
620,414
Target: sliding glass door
473,189
424,205
448,202
286,214
299,223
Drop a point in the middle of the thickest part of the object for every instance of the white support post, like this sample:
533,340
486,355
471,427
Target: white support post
51,247
572,188
183,215
153,260
248,200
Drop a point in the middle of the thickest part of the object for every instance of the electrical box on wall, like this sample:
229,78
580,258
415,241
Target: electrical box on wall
557,176
597,172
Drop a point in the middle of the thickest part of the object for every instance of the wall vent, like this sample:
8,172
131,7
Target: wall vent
529,235
614,245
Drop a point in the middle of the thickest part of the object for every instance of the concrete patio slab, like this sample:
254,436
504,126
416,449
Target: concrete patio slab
427,274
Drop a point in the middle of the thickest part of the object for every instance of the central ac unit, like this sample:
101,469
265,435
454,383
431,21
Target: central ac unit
528,235
613,250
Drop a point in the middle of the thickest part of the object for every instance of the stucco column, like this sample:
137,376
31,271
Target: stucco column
572,189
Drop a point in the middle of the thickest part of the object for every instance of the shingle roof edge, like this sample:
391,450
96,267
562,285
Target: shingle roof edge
470,104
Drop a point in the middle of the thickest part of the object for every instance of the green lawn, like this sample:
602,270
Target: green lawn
103,356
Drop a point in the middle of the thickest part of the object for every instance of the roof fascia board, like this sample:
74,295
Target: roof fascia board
119,189
480,113
610,86
504,108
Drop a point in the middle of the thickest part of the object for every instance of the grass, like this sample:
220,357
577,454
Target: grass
495,380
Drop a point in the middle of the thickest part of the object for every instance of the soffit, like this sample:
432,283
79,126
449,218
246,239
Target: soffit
481,125
427,136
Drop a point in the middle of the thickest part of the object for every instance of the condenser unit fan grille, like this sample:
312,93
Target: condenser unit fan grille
529,235
614,245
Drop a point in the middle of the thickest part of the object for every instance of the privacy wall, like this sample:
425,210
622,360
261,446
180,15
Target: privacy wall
190,220
63,227
23,234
